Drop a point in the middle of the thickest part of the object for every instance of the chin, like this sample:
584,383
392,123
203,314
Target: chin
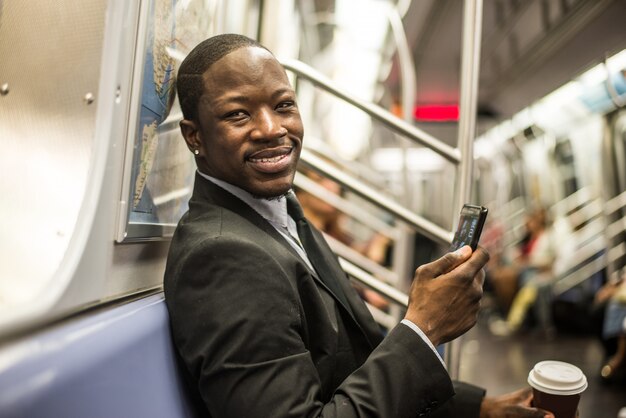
271,189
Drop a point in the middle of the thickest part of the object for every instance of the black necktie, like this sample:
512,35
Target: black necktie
313,250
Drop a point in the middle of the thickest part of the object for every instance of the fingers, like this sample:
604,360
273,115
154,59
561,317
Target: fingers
518,411
522,412
538,413
444,264
525,396
479,259
515,405
473,266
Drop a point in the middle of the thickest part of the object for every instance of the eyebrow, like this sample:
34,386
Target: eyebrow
240,98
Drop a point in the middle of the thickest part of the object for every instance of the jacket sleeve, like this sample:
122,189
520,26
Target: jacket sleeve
238,325
465,403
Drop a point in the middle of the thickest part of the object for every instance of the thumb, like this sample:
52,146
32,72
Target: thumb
444,264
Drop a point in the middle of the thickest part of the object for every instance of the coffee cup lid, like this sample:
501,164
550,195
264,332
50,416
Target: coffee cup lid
557,378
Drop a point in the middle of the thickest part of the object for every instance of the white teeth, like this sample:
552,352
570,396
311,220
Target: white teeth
267,160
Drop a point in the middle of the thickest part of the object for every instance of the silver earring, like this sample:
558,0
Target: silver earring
196,152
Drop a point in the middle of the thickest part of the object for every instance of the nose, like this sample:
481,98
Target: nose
268,125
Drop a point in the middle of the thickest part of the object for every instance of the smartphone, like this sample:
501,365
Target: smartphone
470,226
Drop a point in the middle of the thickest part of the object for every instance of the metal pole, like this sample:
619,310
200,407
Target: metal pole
426,227
404,246
472,25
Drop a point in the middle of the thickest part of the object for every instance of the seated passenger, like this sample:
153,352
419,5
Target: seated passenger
614,328
533,273
262,315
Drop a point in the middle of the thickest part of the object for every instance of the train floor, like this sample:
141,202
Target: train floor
501,365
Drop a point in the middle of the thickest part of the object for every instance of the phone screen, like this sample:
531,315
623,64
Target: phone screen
470,226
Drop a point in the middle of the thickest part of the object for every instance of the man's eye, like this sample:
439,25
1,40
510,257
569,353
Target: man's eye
237,114
285,105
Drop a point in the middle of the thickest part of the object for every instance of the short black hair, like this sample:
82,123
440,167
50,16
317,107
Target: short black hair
189,84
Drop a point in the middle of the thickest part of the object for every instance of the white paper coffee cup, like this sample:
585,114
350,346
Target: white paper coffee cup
557,378
557,387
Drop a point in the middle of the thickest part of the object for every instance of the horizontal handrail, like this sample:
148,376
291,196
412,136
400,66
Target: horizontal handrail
591,210
389,292
578,270
355,211
616,203
512,210
395,124
381,317
593,255
364,171
580,275
424,226
616,228
570,202
594,228
358,259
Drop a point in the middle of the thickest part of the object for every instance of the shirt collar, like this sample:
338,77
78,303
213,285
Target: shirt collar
274,210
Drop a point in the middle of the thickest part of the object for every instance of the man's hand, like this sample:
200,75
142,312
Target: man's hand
445,295
512,405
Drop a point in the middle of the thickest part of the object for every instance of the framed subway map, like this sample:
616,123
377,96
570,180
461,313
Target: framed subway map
159,168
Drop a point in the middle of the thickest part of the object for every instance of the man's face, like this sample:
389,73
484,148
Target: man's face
249,131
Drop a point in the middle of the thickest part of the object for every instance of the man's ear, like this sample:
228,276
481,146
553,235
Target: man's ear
191,133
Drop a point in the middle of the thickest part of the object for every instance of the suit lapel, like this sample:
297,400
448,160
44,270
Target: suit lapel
206,191
359,311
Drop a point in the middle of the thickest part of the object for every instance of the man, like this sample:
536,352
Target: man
267,328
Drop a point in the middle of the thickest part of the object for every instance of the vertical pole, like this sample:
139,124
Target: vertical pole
409,87
403,255
472,25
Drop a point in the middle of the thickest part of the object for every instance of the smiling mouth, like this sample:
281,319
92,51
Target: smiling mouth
271,161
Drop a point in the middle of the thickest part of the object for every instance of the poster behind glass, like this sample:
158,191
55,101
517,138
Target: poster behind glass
163,169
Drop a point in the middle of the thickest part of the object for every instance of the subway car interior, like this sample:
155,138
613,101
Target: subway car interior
410,108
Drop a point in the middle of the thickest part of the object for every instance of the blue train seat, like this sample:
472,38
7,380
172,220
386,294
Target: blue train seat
116,362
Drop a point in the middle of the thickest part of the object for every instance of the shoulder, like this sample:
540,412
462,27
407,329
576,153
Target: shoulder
212,227
221,245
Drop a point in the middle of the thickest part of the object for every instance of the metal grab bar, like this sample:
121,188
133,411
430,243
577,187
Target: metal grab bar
390,292
571,202
349,254
616,203
354,210
377,112
589,256
423,225
577,277
383,318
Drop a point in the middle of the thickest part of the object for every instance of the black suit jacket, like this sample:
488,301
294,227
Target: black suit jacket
262,336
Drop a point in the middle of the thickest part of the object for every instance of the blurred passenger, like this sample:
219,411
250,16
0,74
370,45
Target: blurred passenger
597,313
504,272
615,329
533,273
501,281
